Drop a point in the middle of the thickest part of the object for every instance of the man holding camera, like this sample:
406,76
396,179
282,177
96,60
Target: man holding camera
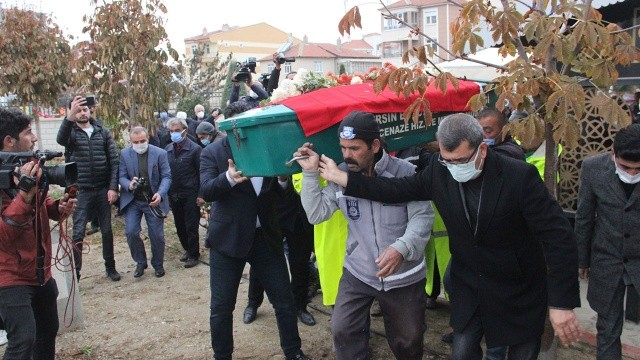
92,148
257,92
28,292
145,179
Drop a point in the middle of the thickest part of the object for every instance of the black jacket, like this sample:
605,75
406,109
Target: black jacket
232,221
96,158
522,257
185,168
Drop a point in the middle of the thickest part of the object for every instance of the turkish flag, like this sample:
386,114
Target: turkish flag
320,109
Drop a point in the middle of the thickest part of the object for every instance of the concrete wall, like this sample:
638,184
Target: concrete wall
48,132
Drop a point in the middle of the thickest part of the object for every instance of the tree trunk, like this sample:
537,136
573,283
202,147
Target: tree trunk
550,161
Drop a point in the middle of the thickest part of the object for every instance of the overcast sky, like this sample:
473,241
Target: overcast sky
318,19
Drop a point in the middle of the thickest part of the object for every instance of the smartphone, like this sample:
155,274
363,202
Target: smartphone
90,100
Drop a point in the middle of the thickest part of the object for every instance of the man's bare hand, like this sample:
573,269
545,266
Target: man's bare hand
235,174
311,162
112,196
200,201
32,169
76,103
388,262
565,325
329,171
66,206
155,200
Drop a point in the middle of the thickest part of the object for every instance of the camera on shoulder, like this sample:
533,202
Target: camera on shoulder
245,69
64,175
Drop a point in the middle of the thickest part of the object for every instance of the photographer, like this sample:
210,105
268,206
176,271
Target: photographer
28,306
274,78
256,90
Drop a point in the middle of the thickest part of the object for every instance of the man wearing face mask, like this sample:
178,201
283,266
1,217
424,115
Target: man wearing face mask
196,120
384,260
92,148
184,160
145,179
207,133
608,230
513,252
493,122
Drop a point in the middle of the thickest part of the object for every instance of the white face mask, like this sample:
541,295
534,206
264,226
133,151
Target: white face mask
140,148
467,171
200,114
626,177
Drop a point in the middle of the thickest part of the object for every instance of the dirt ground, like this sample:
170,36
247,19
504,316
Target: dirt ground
168,317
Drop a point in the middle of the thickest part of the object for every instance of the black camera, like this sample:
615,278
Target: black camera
64,175
140,185
245,69
281,59
264,80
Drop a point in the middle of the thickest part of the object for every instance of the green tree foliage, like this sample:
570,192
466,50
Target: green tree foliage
126,61
342,70
562,46
188,102
34,59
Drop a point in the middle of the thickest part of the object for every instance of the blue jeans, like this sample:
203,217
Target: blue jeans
30,317
93,204
271,270
132,218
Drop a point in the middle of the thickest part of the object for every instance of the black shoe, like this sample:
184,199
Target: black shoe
299,356
250,314
160,272
190,262
113,274
306,317
93,230
139,270
184,257
432,303
447,338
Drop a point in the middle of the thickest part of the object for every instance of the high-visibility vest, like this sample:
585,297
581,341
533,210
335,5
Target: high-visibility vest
437,250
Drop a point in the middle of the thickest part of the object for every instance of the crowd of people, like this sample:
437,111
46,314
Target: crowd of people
466,211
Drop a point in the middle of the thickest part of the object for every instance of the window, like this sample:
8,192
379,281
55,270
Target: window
317,67
194,48
390,24
430,17
432,44
287,68
414,18
392,49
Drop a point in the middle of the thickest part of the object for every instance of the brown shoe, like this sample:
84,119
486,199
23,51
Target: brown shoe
191,263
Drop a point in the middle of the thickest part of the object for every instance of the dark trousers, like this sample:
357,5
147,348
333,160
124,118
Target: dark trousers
300,244
466,344
402,310
30,317
435,291
92,202
186,215
226,272
609,325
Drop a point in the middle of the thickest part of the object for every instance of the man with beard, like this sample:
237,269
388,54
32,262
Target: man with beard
92,148
384,260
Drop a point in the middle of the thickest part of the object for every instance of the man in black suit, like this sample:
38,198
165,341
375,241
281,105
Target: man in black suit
513,252
243,227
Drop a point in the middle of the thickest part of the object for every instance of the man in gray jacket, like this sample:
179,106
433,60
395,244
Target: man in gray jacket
608,230
385,245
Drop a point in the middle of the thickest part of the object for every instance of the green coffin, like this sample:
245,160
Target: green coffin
263,139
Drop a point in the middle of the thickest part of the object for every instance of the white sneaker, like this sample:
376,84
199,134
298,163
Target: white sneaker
3,338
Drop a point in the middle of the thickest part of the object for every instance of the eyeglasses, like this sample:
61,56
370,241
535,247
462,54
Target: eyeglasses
445,162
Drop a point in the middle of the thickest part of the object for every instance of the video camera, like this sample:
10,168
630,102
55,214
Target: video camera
245,69
264,80
283,49
64,175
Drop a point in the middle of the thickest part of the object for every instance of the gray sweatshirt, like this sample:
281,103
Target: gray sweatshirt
374,226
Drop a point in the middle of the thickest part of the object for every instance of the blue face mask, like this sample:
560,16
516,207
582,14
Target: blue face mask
489,142
164,115
176,137
205,142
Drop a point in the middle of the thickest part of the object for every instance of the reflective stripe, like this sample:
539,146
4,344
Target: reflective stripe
438,234
420,267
